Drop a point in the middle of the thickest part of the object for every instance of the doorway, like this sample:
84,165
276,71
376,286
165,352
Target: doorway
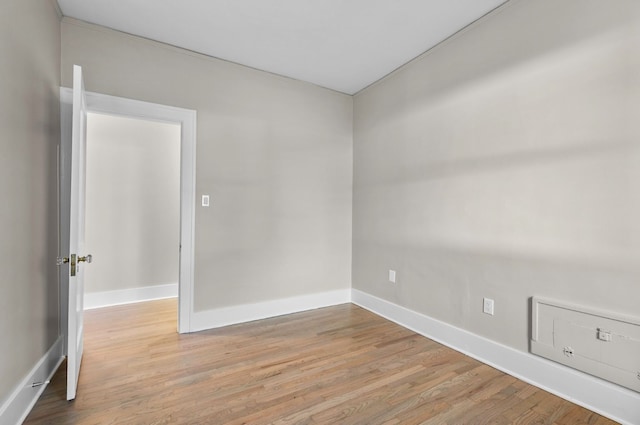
186,120
132,210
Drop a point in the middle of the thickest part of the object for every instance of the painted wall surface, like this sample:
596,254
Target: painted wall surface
133,203
30,132
505,163
274,154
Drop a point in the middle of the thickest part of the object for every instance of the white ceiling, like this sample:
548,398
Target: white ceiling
344,45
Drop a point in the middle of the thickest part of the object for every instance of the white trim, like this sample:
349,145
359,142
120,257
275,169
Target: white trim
610,400
18,405
225,316
105,104
129,296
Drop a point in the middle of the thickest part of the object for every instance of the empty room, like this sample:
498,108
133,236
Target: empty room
379,212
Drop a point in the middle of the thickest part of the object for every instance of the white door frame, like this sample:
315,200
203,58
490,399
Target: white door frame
105,104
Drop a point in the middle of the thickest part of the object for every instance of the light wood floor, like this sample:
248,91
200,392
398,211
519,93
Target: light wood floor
337,365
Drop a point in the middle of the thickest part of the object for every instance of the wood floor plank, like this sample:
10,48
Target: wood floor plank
337,365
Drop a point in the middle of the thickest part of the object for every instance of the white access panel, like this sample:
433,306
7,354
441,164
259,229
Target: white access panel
600,343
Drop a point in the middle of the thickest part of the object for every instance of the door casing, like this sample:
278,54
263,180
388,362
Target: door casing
106,104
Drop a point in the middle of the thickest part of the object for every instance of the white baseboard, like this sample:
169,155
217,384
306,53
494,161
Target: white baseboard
18,405
225,316
128,296
610,400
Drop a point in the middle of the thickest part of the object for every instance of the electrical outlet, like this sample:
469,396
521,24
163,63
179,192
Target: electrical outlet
604,335
392,276
487,306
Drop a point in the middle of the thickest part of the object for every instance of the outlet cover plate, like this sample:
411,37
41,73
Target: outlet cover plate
487,306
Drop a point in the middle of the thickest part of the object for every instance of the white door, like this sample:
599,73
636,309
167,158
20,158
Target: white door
77,255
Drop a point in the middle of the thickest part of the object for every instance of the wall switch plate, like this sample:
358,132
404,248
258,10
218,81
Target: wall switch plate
205,200
487,306
392,276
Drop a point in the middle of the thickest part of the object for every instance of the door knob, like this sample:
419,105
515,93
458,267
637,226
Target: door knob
86,259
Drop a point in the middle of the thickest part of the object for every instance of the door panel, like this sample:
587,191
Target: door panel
75,340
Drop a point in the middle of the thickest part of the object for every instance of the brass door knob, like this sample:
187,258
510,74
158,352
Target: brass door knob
86,259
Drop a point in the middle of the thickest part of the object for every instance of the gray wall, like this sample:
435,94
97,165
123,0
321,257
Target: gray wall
30,132
274,154
133,203
505,163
